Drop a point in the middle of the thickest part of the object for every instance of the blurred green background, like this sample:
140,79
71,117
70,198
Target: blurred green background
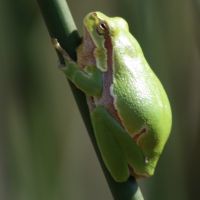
45,151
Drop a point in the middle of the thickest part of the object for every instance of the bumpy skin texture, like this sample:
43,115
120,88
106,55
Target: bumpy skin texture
130,111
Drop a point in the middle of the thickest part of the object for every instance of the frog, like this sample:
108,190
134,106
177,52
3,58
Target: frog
129,109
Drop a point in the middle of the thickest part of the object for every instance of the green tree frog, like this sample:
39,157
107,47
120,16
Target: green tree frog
129,109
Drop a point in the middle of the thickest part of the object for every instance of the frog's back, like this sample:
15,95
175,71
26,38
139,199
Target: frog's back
139,97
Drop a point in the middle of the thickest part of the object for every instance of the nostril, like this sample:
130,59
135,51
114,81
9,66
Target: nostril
94,14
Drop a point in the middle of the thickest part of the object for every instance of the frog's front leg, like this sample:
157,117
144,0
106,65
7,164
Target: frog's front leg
117,148
89,79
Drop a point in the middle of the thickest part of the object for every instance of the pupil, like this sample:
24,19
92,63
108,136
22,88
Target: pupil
103,26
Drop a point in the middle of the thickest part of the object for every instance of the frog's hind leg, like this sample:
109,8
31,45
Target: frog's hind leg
117,148
111,152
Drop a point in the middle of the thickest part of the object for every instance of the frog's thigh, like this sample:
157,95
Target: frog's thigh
105,128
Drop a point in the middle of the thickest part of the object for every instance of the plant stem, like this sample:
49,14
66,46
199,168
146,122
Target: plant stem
60,25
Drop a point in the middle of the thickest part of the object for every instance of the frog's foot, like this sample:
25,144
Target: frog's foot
58,48
120,153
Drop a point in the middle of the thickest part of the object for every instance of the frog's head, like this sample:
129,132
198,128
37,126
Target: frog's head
100,27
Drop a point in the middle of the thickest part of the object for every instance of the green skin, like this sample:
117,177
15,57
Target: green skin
129,108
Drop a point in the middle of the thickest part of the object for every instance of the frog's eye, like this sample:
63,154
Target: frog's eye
102,28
